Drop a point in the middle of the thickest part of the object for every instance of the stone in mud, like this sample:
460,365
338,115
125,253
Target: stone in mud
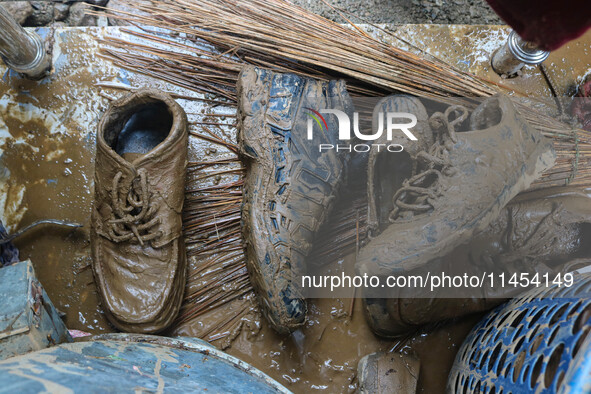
100,3
547,231
381,373
60,11
42,13
20,10
79,15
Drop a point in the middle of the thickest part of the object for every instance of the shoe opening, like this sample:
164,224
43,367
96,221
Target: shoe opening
486,115
142,128
581,245
573,247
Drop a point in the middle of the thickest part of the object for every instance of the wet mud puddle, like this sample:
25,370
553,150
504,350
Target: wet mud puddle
323,356
57,188
46,167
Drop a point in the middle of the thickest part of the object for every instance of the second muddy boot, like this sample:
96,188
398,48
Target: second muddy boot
542,232
458,186
290,186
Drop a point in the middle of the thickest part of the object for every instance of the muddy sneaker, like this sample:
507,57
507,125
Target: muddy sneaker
289,186
386,373
546,231
458,187
137,246
386,170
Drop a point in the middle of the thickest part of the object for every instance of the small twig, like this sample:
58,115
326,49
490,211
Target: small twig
37,223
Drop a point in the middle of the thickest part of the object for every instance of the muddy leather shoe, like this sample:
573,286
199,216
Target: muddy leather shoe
457,187
546,231
138,252
290,186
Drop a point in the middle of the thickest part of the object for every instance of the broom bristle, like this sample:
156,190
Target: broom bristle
202,45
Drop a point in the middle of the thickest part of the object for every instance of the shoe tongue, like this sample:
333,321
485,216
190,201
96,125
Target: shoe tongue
131,156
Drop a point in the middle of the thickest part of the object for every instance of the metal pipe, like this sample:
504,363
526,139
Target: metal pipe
511,57
22,51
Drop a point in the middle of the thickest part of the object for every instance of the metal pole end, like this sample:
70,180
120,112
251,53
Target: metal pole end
41,64
525,51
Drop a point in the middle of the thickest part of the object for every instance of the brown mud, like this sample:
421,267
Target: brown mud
46,170
324,354
57,187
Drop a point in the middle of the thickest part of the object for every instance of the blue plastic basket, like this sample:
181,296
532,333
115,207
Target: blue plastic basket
538,343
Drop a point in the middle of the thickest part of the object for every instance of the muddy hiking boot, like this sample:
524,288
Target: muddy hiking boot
290,186
138,251
457,186
546,231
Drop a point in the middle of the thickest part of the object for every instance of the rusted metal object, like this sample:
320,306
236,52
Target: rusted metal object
23,51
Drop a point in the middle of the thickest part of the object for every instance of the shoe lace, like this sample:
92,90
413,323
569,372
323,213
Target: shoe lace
420,190
133,216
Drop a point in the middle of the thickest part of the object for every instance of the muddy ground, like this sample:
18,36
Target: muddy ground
407,11
73,13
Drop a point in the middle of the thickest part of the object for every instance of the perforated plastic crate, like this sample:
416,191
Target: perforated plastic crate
538,343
